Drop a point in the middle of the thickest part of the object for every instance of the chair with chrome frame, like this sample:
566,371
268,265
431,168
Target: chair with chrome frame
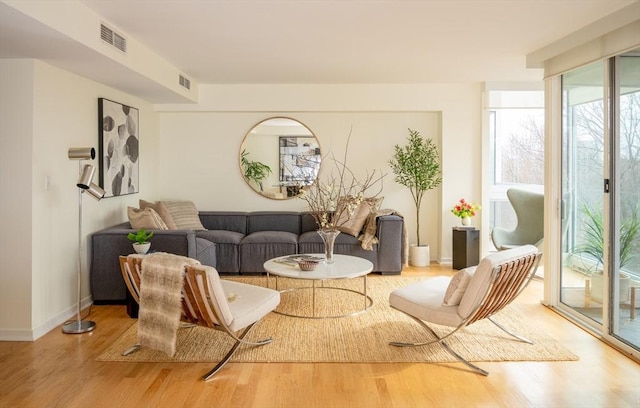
211,302
529,209
473,294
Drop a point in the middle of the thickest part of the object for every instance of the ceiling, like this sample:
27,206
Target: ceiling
324,41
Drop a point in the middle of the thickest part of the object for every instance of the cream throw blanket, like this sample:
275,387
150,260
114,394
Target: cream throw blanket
161,300
368,237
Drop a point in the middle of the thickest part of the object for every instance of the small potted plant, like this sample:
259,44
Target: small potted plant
140,240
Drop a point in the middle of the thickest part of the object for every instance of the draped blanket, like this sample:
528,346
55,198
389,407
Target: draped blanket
368,237
161,300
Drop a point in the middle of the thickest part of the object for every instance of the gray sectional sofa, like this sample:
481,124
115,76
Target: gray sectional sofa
239,243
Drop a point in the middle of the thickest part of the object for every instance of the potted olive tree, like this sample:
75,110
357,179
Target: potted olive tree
593,246
416,167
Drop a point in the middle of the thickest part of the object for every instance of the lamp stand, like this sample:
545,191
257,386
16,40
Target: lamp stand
79,326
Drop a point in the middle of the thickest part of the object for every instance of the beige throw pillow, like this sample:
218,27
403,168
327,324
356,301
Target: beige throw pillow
184,214
354,225
146,218
162,211
456,289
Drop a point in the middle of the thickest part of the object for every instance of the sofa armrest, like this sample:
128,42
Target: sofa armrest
107,245
391,242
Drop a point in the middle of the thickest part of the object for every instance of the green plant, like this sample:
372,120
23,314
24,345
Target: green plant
416,167
593,236
254,170
140,237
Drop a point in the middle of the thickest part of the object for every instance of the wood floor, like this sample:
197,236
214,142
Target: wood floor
59,370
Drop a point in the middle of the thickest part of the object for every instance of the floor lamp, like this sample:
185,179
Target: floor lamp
84,184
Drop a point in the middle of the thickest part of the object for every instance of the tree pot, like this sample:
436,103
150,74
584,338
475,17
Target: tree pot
419,255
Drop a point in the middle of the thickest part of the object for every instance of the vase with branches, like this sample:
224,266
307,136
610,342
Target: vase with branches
336,194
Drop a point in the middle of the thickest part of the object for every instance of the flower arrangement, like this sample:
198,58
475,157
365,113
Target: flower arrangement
465,209
333,201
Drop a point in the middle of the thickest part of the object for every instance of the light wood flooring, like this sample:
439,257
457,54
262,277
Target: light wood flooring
59,370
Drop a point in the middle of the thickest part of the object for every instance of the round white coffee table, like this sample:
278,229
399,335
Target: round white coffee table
343,267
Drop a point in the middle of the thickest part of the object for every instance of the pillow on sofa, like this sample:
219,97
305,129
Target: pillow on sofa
457,286
185,215
146,218
162,211
354,225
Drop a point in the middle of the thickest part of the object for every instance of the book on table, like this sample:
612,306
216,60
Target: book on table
293,260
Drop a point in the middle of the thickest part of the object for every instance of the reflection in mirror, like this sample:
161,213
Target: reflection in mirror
279,157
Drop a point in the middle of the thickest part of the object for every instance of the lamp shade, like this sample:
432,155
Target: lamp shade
95,191
86,176
81,153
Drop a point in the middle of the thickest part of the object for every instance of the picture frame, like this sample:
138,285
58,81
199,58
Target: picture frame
299,160
118,141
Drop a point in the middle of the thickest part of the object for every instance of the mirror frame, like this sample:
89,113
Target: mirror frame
289,167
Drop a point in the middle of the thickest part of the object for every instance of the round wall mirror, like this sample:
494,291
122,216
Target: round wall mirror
279,157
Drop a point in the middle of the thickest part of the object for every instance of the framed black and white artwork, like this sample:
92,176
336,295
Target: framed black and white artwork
119,140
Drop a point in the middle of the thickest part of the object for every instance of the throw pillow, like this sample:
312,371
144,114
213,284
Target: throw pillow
185,215
354,225
146,218
162,211
456,289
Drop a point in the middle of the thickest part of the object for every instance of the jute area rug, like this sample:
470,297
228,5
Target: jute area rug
363,338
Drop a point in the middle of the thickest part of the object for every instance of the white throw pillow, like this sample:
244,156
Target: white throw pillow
456,289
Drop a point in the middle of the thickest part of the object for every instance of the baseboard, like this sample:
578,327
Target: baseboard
51,324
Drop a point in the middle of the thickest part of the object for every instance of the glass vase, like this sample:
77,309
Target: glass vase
328,238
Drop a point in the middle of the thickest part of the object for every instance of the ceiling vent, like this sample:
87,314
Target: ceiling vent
184,81
112,38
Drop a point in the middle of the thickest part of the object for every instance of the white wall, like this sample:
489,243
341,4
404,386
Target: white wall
200,144
64,114
16,127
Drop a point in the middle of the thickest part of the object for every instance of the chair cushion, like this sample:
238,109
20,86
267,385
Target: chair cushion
481,278
457,287
423,300
249,303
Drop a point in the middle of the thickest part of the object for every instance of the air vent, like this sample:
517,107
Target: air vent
112,38
184,81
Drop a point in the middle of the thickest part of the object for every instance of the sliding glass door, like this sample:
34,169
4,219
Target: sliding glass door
601,195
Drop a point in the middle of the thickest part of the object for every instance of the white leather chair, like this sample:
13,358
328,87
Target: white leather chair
473,294
529,209
209,301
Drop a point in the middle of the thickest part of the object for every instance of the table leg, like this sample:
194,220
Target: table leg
365,292
313,296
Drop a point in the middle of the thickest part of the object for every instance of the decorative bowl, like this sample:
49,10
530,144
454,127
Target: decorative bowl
307,265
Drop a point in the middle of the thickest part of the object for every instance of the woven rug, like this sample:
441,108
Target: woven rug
363,338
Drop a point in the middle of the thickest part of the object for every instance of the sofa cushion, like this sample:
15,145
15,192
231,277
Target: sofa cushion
257,248
146,218
227,248
184,214
354,224
162,211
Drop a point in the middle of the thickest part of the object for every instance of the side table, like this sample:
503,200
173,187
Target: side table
466,247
